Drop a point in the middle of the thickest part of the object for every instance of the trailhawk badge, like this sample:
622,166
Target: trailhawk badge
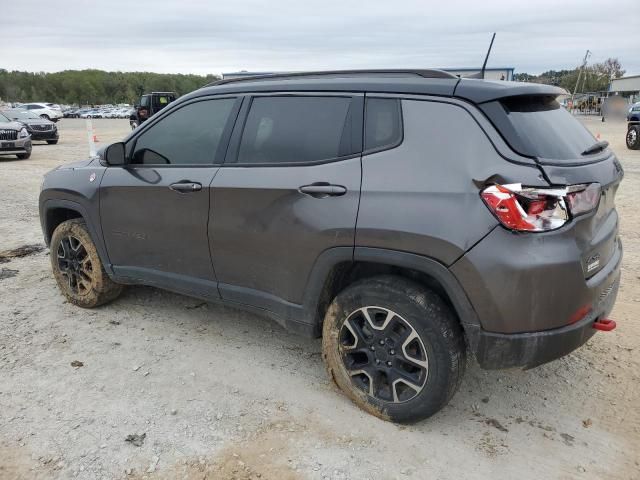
593,262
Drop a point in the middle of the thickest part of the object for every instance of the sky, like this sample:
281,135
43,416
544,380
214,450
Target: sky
199,36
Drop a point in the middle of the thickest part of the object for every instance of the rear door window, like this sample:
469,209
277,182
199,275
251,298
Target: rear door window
538,126
383,124
298,129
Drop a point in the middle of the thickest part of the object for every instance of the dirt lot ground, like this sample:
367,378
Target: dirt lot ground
224,394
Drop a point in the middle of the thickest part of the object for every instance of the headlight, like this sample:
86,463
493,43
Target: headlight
23,133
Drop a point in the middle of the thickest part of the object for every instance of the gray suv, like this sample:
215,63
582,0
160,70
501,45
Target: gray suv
407,217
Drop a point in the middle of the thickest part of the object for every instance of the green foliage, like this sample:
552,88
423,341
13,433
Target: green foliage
594,78
89,87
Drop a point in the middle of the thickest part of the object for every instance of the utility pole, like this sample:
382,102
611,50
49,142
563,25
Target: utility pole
584,64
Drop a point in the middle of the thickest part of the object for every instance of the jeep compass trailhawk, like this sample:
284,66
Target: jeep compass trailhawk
407,217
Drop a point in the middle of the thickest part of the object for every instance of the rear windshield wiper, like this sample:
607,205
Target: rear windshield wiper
596,147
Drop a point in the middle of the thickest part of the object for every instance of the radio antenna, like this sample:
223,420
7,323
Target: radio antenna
484,65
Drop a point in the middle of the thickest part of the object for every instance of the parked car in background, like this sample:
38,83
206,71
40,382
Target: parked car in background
634,113
93,113
44,110
348,205
14,138
70,112
150,104
39,128
633,128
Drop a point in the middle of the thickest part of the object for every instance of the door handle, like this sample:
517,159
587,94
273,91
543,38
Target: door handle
323,189
186,187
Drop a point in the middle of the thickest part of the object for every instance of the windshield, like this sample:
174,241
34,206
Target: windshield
21,115
4,118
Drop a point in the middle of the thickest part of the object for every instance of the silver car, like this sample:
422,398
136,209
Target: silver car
14,139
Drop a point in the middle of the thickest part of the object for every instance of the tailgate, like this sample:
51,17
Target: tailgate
596,233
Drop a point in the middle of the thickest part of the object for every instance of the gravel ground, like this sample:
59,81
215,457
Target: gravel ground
222,394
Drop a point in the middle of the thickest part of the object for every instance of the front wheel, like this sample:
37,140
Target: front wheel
394,348
24,156
633,137
52,142
77,267
45,116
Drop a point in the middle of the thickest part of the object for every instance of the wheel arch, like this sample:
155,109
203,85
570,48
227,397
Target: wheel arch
339,267
55,211
54,216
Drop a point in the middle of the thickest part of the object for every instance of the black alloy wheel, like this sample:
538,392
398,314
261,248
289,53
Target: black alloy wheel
75,264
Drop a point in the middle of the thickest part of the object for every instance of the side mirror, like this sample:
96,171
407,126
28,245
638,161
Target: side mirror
114,155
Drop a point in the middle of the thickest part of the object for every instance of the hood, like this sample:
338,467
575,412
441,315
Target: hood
77,164
11,126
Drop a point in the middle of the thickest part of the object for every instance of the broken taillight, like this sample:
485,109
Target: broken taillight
532,209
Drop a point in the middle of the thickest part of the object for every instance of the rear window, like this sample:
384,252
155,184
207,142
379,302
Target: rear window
538,126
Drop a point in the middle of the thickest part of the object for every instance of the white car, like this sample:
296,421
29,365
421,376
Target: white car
44,110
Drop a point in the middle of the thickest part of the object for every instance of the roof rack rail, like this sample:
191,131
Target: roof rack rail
425,73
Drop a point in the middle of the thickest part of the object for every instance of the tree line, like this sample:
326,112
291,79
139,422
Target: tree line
595,77
91,87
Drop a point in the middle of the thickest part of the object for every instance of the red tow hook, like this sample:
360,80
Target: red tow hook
604,325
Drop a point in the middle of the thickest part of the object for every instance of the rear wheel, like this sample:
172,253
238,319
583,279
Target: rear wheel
77,267
633,137
394,348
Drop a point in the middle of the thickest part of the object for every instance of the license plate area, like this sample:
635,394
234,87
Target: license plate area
8,144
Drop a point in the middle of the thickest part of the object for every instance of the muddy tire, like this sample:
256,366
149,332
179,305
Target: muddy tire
394,348
633,137
77,267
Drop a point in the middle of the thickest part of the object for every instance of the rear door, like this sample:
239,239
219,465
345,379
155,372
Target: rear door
288,191
155,210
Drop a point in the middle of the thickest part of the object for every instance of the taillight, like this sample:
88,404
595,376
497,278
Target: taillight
583,198
532,209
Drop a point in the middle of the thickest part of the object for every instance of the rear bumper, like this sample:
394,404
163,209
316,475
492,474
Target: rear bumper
527,350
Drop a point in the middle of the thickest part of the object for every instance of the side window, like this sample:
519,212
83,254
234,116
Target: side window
383,123
297,129
187,136
144,101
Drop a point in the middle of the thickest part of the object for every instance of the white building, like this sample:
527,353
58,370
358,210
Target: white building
626,87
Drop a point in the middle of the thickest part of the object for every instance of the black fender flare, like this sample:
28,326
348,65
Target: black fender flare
96,233
429,266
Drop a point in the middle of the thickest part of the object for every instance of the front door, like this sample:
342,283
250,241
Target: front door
287,192
155,210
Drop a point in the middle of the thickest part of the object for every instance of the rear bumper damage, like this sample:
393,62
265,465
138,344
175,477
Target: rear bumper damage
527,350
